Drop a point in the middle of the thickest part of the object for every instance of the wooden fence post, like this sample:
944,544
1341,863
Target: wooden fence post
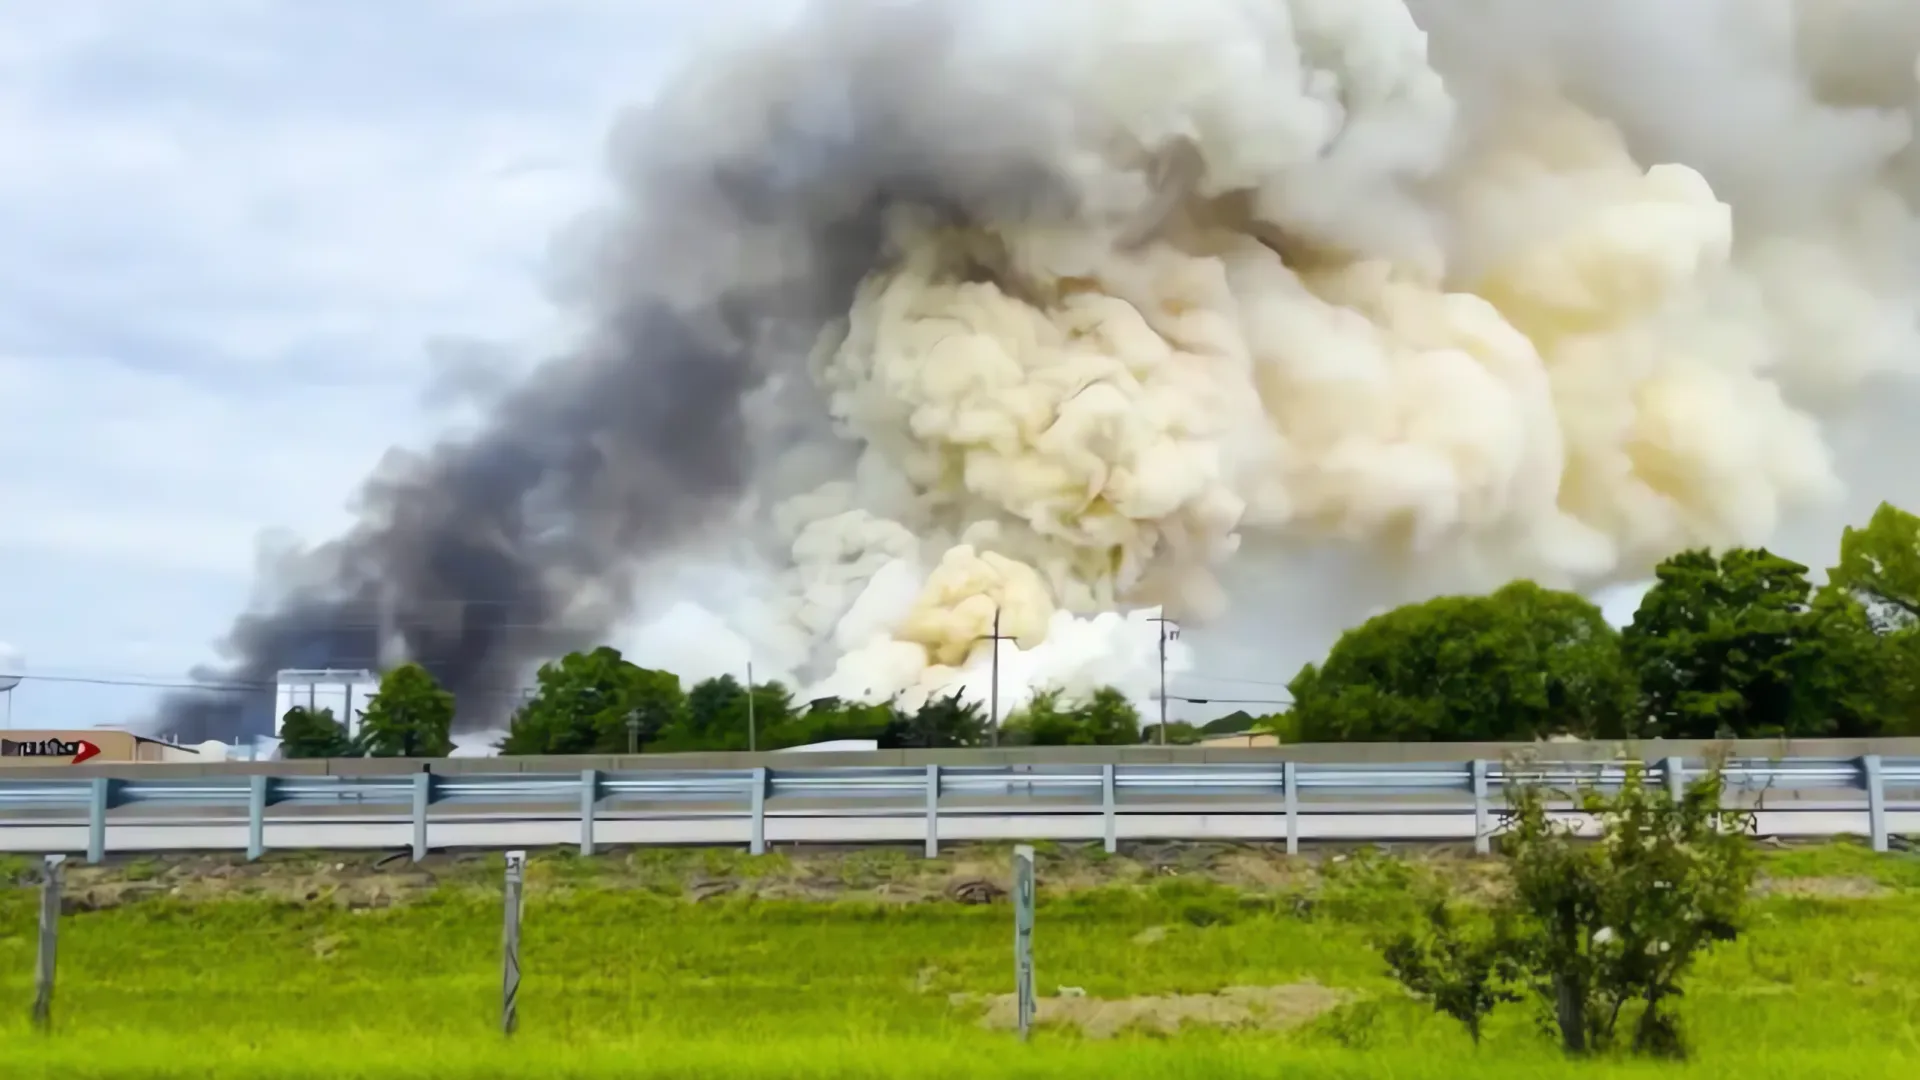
1023,936
49,943
510,942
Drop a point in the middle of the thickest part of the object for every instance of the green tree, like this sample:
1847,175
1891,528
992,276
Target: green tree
1109,719
1737,646
1849,679
411,716
941,723
830,720
1871,604
1179,733
1463,964
584,703
313,733
1880,566
717,716
1598,932
1521,664
1623,920
1105,719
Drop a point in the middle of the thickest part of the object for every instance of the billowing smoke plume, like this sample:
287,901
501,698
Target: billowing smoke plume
1092,309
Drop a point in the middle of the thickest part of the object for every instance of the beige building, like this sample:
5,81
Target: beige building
43,748
1245,738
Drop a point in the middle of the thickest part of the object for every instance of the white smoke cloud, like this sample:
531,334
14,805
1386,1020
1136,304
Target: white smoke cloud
1378,298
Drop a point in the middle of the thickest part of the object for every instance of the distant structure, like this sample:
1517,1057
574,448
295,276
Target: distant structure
835,746
345,691
13,668
80,746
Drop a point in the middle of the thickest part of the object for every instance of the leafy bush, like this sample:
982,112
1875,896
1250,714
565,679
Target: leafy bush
1592,928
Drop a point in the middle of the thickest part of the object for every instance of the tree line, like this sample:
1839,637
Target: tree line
599,702
1735,645
1738,645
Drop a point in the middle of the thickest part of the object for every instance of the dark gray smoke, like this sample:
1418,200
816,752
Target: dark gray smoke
753,196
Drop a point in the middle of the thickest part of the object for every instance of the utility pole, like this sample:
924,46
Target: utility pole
751,739
1165,635
993,694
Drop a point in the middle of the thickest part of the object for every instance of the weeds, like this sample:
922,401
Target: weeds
624,978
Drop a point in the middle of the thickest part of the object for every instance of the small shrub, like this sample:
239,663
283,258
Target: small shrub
1622,920
1592,928
1463,966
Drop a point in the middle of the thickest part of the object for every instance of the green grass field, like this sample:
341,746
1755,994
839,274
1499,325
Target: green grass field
848,965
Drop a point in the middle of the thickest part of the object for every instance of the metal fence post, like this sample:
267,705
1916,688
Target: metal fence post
422,797
1482,836
1023,936
1109,809
1875,784
933,811
1290,786
589,798
1676,771
49,943
757,844
510,942
99,801
258,792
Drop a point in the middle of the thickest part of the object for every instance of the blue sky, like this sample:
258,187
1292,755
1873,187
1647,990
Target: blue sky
238,234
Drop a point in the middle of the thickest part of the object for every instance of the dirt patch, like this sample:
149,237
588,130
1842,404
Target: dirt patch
1822,888
356,881
975,891
1267,1008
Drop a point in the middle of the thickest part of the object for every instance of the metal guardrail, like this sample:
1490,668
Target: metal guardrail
935,792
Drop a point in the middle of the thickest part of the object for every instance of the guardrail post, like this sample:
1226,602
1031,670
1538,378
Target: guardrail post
933,811
1676,771
1109,809
258,792
1482,836
49,943
1875,784
99,801
510,942
1290,789
589,798
757,845
1023,937
422,797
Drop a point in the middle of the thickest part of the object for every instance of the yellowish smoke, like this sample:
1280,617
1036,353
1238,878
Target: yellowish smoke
1303,303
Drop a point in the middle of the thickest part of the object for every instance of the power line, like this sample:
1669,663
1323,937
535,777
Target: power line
162,682
152,684
230,687
1227,700
1231,679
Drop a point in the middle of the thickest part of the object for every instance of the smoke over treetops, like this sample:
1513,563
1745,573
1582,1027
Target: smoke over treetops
1081,310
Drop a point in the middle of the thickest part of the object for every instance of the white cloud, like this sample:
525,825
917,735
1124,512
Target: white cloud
229,231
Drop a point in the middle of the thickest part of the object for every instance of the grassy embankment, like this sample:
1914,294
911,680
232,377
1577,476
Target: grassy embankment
866,964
